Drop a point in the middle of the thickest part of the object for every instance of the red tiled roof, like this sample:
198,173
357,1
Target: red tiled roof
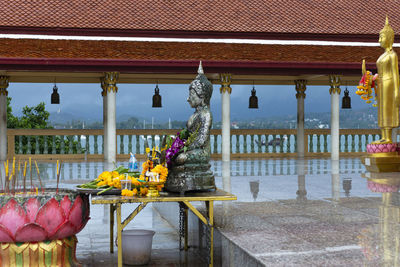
257,16
135,56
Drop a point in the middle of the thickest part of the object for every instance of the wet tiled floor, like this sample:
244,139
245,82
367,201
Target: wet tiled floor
289,213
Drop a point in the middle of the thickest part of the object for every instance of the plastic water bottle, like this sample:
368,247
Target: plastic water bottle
132,165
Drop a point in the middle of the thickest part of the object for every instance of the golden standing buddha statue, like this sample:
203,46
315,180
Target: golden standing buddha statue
388,94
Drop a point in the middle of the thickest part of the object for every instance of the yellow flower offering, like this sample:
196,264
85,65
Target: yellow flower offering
143,191
127,193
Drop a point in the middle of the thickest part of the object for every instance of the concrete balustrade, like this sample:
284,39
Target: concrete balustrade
76,144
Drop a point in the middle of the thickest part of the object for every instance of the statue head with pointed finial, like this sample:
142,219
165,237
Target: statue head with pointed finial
386,35
201,86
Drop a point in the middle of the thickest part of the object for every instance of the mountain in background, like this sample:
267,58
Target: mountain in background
349,119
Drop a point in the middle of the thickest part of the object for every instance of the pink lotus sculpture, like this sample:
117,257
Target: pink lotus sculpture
25,218
382,188
382,148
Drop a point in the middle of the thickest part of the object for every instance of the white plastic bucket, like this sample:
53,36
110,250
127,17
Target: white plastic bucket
136,246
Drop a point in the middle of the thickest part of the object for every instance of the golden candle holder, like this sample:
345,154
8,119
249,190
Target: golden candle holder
152,189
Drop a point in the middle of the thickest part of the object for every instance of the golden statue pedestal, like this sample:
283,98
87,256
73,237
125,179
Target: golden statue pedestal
153,190
382,163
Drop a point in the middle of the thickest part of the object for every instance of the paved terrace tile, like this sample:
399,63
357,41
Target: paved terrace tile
272,221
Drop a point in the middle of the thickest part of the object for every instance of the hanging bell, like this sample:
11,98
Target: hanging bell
156,98
253,100
55,97
346,100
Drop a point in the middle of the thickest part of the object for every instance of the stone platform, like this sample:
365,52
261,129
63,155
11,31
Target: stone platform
288,213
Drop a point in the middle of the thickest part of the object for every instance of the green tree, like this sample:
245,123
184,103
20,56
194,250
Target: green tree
32,117
11,119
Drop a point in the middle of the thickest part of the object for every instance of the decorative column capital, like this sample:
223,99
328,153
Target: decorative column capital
226,80
334,82
103,87
301,88
4,81
109,82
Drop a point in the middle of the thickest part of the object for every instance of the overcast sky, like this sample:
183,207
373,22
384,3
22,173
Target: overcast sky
85,101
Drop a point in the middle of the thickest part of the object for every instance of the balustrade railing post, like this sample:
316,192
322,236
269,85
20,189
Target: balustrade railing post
288,136
295,145
137,144
146,143
20,145
62,144
215,144
325,143
29,146
87,147
245,149
71,144
311,142
129,143
259,146
53,146
319,143
252,143
121,144
274,143
45,149
360,143
96,145
353,143
231,144
79,145
36,145
237,150
281,143
346,143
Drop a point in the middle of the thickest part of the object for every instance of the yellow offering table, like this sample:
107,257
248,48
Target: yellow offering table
185,200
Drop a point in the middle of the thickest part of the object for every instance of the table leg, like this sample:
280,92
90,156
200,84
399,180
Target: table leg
186,227
111,228
119,234
211,221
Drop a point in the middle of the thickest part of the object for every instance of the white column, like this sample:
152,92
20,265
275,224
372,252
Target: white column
3,117
110,130
226,130
335,93
300,95
335,180
104,95
301,180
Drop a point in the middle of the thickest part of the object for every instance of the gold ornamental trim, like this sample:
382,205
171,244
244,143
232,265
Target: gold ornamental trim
301,86
109,82
4,82
334,82
3,92
226,80
103,87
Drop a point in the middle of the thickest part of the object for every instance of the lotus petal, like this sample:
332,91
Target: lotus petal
78,229
86,211
76,214
64,230
5,235
32,206
50,216
30,232
65,204
12,216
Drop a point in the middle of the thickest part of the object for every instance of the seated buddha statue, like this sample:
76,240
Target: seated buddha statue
190,169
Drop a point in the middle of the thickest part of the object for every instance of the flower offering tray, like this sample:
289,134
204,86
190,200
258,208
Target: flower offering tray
95,191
